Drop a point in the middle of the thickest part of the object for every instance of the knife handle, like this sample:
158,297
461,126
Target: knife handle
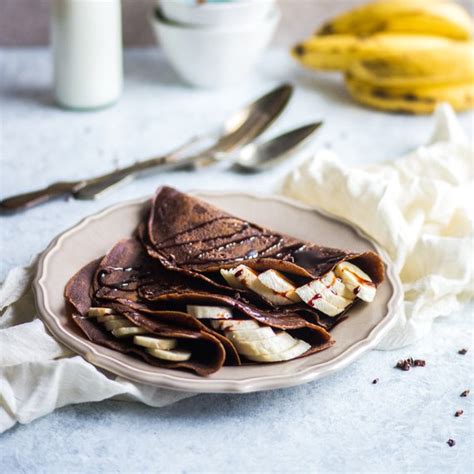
27,200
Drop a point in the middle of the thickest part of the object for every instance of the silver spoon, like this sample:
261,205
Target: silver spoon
256,157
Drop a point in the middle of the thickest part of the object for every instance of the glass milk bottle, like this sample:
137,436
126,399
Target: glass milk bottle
87,48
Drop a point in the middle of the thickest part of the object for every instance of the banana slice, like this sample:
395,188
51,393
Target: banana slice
260,333
175,355
292,353
316,300
248,278
119,323
335,284
232,280
128,331
109,317
209,312
234,324
356,280
155,342
277,282
94,312
330,296
281,342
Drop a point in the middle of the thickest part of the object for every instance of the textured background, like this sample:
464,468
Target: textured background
25,22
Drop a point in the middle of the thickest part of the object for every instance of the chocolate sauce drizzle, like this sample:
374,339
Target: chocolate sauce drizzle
192,229
308,258
216,244
138,275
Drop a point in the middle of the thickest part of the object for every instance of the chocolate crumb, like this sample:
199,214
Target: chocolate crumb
451,442
462,351
458,413
375,381
465,393
403,365
407,364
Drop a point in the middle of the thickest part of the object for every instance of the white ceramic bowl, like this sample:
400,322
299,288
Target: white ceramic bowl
236,12
214,56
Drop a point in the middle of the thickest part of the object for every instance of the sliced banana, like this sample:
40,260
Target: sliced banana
109,317
281,342
248,278
209,312
335,284
265,332
230,278
234,324
94,312
260,343
356,280
292,353
174,355
120,323
155,342
316,300
330,296
128,331
277,282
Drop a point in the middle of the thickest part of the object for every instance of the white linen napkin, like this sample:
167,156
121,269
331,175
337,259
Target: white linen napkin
38,375
419,208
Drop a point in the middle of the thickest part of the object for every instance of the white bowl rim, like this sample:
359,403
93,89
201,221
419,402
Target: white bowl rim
272,17
217,5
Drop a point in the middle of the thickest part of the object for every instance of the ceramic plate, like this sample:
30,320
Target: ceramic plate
96,234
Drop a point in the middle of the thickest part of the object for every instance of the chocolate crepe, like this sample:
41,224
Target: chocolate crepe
127,276
207,349
187,234
138,287
181,245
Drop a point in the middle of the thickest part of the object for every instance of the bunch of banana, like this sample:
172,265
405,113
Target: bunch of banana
399,55
429,17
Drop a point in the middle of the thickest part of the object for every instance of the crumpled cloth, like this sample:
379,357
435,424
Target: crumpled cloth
38,374
419,208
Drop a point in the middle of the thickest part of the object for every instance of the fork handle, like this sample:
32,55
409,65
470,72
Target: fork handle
27,200
91,188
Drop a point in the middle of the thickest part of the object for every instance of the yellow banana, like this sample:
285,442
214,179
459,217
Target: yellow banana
432,17
438,65
414,100
337,52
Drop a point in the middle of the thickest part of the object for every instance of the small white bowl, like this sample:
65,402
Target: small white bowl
236,12
214,56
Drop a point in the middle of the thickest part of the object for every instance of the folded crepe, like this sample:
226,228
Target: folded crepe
187,233
126,296
207,353
198,288
195,238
